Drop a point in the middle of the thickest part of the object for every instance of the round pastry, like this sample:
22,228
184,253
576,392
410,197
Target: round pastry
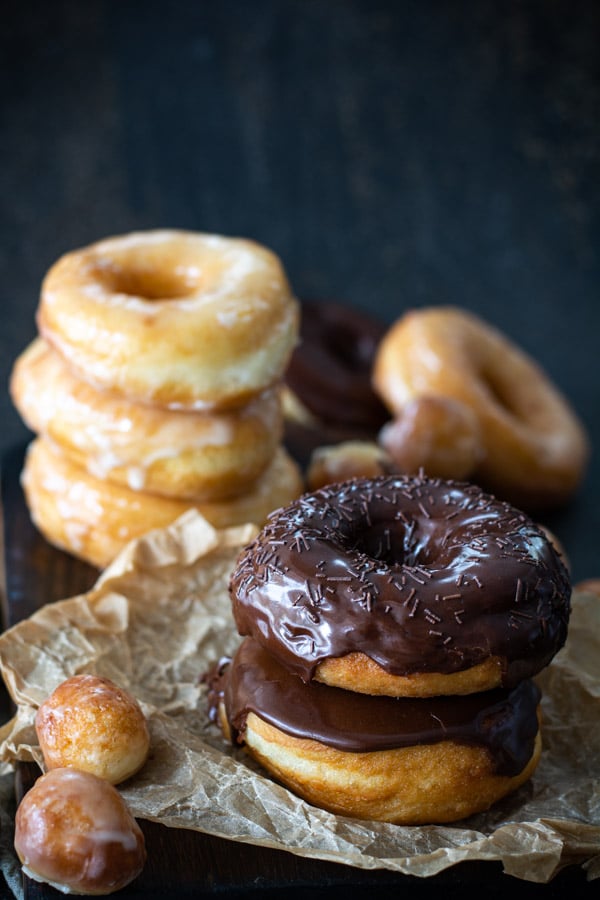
406,586
199,455
589,586
436,434
91,724
94,519
397,760
348,459
172,318
533,447
328,377
74,832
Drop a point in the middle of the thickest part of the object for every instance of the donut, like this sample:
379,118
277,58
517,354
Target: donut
328,378
403,585
172,318
74,831
534,449
186,455
589,586
407,761
348,459
93,519
436,434
91,724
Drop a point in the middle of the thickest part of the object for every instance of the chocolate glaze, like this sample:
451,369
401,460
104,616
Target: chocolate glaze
502,721
330,369
420,574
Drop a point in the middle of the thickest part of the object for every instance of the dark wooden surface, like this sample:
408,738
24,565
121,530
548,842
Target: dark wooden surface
394,154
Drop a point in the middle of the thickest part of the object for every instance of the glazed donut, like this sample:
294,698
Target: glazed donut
397,760
94,519
186,455
534,449
405,586
74,831
172,318
589,586
91,724
349,459
435,434
328,378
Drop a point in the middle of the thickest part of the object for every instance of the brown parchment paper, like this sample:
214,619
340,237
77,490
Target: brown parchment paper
160,616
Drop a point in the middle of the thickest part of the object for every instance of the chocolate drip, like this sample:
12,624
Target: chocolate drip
420,574
502,721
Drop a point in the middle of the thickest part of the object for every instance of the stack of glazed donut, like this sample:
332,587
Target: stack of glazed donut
154,386
392,628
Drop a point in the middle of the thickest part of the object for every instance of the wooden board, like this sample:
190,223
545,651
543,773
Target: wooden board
183,863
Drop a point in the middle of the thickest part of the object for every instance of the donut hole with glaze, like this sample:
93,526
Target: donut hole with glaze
395,544
154,272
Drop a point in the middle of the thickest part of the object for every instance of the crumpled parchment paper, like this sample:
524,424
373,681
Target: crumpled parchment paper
156,620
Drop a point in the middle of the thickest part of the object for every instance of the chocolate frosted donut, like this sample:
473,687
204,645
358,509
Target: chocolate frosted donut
406,586
374,756
330,370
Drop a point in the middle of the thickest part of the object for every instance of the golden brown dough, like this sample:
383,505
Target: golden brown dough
349,459
420,784
91,724
358,672
74,832
185,455
436,434
94,520
534,449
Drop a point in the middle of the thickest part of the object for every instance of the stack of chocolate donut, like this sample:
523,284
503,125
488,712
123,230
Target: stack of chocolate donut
392,630
154,386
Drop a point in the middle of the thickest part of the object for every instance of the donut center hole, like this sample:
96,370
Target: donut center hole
353,351
501,392
150,280
389,544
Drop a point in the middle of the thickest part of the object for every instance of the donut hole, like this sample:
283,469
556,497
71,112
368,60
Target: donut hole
501,390
354,352
150,277
391,543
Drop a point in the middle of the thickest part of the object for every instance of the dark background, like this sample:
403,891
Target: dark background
393,154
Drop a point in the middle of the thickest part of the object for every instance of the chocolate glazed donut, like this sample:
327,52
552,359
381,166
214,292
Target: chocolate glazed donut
330,369
504,721
419,575
404,760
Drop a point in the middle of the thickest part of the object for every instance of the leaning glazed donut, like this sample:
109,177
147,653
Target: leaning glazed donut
405,586
74,832
91,724
94,519
533,448
397,760
190,455
436,434
172,318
